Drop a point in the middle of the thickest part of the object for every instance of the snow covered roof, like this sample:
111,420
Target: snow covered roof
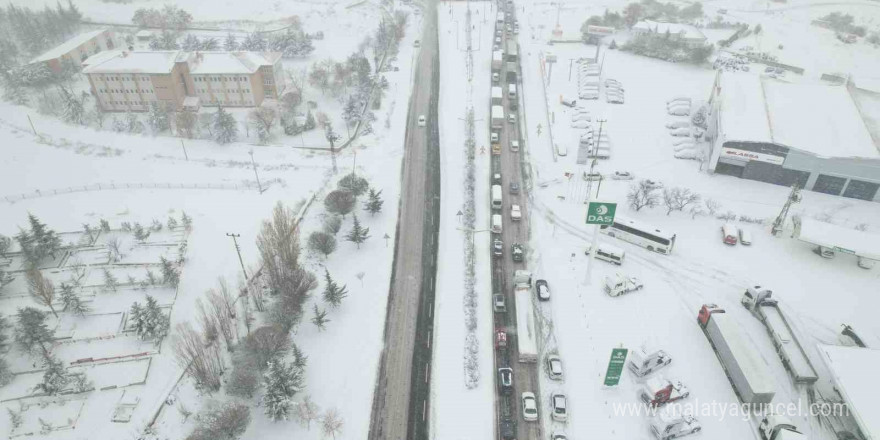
684,30
68,46
121,61
853,374
202,63
838,238
816,118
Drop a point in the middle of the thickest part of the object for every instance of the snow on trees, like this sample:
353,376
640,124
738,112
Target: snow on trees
201,361
169,17
354,183
322,242
186,123
263,118
170,273
282,381
339,202
676,199
41,289
374,203
158,117
39,242
264,344
32,334
229,44
331,423
55,378
306,411
71,301
149,321
74,110
254,42
110,281
227,422
331,224
190,43
140,234
333,293
225,128
358,233
642,195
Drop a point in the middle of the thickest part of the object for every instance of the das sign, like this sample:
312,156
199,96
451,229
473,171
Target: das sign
601,213
615,367
735,153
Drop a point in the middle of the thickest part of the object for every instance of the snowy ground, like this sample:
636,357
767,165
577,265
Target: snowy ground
587,323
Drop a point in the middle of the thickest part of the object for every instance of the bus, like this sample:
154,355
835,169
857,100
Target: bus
641,234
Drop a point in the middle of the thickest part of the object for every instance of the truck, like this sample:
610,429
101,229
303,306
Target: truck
497,116
667,425
497,59
643,362
511,91
512,52
740,362
621,284
511,72
497,95
659,391
526,332
760,302
779,427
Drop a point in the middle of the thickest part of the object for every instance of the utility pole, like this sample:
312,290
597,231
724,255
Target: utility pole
184,150
238,251
598,139
259,185
793,197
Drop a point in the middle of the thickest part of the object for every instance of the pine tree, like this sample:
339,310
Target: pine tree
31,332
374,204
320,318
230,45
282,382
191,43
140,234
154,323
136,317
170,274
105,225
333,294
71,301
42,240
110,281
74,110
13,90
299,358
225,126
55,377
158,118
310,123
41,289
358,234
186,221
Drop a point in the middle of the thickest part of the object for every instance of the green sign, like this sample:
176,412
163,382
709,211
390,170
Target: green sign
601,213
615,367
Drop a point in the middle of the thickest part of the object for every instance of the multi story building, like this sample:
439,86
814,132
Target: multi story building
132,81
77,49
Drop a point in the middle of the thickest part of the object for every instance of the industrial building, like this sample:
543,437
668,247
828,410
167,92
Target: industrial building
132,81
810,134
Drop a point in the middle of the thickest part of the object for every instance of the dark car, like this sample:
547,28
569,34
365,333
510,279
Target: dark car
543,290
498,303
518,252
508,429
505,379
497,248
514,188
496,178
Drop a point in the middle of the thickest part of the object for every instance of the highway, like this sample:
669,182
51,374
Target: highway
400,401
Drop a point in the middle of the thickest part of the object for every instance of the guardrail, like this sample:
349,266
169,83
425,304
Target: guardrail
117,186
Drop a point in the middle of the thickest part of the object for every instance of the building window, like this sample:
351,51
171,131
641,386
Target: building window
858,189
829,184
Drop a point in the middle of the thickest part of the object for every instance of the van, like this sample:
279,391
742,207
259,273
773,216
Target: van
609,253
511,90
496,223
496,197
567,102
728,234
745,237
561,150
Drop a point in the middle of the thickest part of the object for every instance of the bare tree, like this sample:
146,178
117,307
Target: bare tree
263,118
202,361
676,199
41,289
264,344
306,411
642,195
113,246
712,206
331,423
220,315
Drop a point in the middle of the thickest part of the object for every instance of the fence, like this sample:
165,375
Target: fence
116,186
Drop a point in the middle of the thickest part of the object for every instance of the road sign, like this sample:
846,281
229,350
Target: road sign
600,30
601,213
615,367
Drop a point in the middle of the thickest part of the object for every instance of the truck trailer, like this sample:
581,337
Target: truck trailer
497,116
742,365
497,95
497,59
760,302
526,332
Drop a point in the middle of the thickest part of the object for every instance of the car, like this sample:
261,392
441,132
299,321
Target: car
417,43
500,339
681,132
622,175
509,28
422,121
653,184
508,429
529,407
678,124
497,247
498,303
769,69
514,146
558,435
515,212
614,99
610,82
516,29
496,178
580,117
580,124
682,140
560,408
505,379
745,237
495,77
679,110
497,40
543,290
493,136
592,176
514,188
496,48
517,252
554,367
498,33
511,118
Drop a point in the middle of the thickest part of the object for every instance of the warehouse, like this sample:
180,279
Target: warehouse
810,134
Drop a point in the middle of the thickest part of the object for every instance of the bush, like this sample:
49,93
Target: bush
227,422
243,381
322,242
354,183
332,224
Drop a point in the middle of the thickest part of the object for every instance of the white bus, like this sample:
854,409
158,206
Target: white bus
641,234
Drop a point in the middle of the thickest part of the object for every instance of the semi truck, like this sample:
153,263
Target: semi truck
643,362
497,59
526,332
497,116
659,391
743,367
779,427
760,302
511,72
497,95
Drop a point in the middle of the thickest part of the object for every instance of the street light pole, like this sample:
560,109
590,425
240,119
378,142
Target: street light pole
238,251
259,185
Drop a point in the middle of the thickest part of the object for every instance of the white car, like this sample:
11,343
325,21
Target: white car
580,124
529,407
685,147
554,367
681,132
684,141
543,290
515,212
495,77
417,43
497,40
511,118
580,117
614,99
592,176
560,406
493,137
679,99
622,175
558,435
678,124
514,146
422,121
745,237
682,110
688,153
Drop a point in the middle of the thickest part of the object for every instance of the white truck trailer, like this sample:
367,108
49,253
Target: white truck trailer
497,60
742,365
497,116
526,332
497,95
760,302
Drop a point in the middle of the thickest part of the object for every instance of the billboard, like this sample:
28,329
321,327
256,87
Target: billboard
600,30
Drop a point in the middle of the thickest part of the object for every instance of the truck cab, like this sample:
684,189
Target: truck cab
779,427
666,426
643,362
755,296
659,391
